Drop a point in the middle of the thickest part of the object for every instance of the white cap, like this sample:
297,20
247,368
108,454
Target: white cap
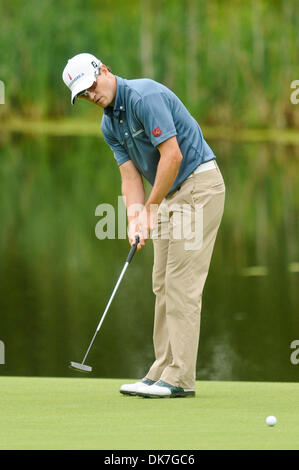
80,73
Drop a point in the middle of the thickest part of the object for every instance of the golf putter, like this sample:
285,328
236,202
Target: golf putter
82,367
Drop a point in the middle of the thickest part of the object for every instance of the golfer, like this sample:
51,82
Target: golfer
152,135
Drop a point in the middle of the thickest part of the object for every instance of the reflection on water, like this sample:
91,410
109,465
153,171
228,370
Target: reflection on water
56,276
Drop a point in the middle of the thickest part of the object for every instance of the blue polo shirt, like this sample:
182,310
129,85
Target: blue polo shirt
145,114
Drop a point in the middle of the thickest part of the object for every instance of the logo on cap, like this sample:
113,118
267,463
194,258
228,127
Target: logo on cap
157,131
94,64
70,77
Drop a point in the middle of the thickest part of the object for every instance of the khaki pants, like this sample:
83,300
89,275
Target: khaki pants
188,222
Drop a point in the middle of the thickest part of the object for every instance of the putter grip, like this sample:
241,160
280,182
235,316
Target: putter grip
132,250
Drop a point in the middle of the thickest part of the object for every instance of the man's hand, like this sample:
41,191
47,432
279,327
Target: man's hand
142,225
133,231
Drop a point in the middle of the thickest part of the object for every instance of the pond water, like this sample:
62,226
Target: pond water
57,276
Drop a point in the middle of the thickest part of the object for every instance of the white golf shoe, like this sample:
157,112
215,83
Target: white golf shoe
132,389
163,389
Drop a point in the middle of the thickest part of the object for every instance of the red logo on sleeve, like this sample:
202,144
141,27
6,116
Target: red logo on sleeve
157,132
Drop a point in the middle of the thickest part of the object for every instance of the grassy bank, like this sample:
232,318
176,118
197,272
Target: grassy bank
76,127
229,62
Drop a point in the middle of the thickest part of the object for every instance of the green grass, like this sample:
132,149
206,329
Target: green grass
75,126
83,413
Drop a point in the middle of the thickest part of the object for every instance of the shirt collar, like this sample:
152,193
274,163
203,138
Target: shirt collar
119,104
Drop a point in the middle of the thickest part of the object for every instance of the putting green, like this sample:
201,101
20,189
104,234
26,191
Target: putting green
83,413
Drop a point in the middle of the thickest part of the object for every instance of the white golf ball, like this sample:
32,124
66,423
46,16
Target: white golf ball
271,420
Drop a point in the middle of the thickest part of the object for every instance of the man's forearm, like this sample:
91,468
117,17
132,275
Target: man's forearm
167,172
134,195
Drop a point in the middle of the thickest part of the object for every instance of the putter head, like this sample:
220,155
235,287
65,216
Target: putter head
80,367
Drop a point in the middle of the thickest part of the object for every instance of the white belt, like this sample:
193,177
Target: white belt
204,167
